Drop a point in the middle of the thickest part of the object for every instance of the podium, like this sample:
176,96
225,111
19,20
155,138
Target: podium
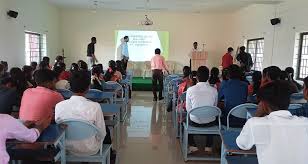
199,58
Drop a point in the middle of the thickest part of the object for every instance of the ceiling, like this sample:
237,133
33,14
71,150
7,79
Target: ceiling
162,5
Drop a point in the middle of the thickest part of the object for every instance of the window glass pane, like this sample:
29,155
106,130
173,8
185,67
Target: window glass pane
256,49
35,47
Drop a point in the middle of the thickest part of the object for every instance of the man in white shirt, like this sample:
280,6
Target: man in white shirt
280,137
202,94
78,107
192,51
124,52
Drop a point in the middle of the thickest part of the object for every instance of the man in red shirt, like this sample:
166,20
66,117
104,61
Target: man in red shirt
38,103
227,59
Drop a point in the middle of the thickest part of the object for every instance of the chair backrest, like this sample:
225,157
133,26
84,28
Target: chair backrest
94,95
115,86
205,112
296,109
80,129
65,93
298,98
240,111
252,99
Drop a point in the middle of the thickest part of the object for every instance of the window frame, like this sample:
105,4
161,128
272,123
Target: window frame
256,47
299,56
40,36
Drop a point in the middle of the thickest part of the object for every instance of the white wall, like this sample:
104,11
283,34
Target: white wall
78,26
254,22
34,15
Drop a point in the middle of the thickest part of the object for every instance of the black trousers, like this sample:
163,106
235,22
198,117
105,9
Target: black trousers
157,82
209,141
124,62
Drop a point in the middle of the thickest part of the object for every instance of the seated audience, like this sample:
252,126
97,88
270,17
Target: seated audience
120,67
38,103
34,66
214,78
59,59
5,72
8,96
290,72
234,93
28,72
78,107
305,92
64,75
19,81
83,66
46,60
255,84
74,68
202,94
112,74
284,75
44,65
187,82
279,137
12,128
225,77
61,83
97,79
227,59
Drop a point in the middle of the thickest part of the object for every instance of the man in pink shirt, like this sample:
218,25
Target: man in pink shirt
38,103
157,66
14,129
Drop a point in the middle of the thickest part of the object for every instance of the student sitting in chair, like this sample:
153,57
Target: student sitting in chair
78,107
38,103
12,128
279,137
305,91
202,94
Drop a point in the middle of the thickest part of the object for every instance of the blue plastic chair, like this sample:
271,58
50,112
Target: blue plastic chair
178,115
298,98
296,109
99,96
67,94
119,99
80,130
239,111
205,112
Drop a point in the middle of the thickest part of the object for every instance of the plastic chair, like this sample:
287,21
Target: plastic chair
205,112
67,94
239,111
80,130
99,96
179,115
119,99
298,98
296,109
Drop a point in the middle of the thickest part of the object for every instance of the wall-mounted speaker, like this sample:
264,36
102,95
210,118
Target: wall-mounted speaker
275,21
12,14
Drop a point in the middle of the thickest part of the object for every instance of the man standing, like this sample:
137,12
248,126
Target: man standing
157,66
91,52
193,50
245,59
124,52
227,59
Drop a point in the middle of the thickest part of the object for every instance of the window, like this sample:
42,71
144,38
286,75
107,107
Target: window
302,56
35,47
256,48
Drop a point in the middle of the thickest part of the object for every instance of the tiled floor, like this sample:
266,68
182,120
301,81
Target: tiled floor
147,135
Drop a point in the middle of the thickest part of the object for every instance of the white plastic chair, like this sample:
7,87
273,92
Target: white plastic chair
80,130
239,111
205,112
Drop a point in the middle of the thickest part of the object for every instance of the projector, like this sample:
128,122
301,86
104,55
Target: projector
146,22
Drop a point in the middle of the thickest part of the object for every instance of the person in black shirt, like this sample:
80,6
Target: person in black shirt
245,59
91,52
8,96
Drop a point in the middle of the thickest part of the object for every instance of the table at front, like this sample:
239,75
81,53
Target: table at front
53,135
230,147
114,111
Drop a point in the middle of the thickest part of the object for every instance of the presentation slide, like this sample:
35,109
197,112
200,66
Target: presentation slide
142,44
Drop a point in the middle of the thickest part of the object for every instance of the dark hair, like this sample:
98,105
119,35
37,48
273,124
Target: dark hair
203,74
119,67
43,65
93,39
58,70
111,70
195,42
1,68
186,71
6,81
18,80
193,76
74,67
33,65
230,49
27,70
234,72
276,94
225,74
214,78
306,81
284,75
273,72
125,37
101,67
243,48
80,82
44,76
96,70
83,65
256,78
46,59
290,72
5,64
157,51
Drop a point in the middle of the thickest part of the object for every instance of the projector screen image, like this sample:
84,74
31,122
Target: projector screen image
142,44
